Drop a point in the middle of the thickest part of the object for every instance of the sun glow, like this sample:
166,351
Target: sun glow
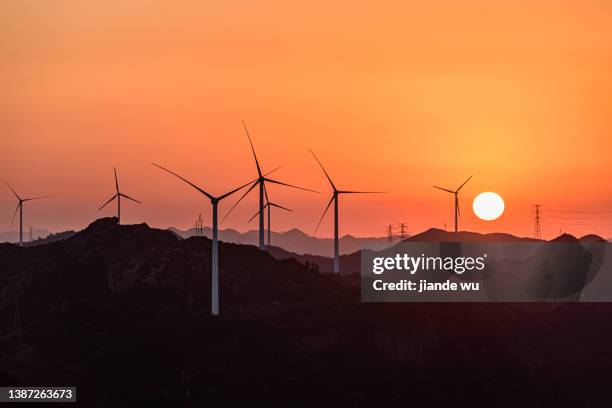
488,206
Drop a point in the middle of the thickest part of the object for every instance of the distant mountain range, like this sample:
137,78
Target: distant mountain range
295,241
351,263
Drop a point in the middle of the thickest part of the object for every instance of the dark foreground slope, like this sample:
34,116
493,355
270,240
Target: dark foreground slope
122,313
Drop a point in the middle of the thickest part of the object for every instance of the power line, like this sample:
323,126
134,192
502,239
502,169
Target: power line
581,220
580,211
581,224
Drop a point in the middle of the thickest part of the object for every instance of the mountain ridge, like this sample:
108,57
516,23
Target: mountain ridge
294,240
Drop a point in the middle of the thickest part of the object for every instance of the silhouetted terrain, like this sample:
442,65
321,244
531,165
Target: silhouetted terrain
122,312
438,235
295,241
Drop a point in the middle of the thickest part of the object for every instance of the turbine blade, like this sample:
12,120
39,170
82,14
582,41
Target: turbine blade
266,193
186,181
236,189
240,199
253,149
361,192
264,186
129,198
464,183
272,171
11,188
111,199
280,206
444,189
324,212
34,198
256,214
116,180
324,171
289,185
15,213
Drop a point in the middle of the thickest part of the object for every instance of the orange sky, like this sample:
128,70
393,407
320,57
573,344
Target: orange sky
392,96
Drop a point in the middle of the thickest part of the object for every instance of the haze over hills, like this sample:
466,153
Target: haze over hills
295,241
13,236
351,263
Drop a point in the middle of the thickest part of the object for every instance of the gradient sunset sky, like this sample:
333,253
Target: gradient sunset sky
394,96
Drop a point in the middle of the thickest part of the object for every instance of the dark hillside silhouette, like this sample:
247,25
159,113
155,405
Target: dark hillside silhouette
122,312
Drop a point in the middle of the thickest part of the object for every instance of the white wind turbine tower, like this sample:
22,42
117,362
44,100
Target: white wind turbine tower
334,199
260,181
215,246
456,193
20,209
269,205
118,196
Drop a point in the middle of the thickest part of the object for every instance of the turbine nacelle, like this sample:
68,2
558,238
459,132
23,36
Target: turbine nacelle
336,192
118,196
261,182
214,200
456,194
19,209
334,199
455,191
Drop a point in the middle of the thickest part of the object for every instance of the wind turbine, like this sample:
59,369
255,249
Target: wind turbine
269,205
20,209
215,246
456,193
261,180
334,199
118,196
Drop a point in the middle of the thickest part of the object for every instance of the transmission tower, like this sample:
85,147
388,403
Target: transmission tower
390,234
397,230
537,216
199,226
403,234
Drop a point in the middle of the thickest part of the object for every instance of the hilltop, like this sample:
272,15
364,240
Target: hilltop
438,235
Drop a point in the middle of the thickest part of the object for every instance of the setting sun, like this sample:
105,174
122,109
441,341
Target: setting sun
488,206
